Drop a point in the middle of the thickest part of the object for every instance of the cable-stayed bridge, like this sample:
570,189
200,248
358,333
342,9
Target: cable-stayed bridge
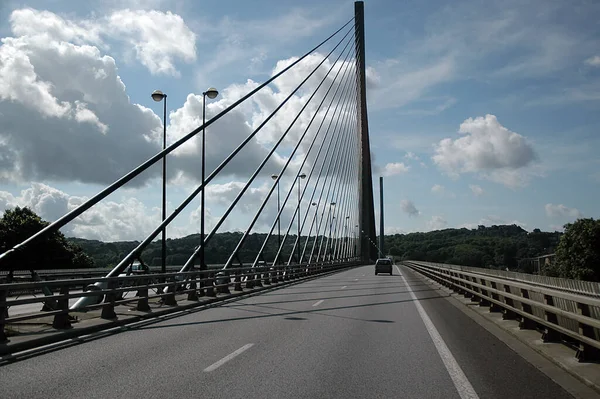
312,320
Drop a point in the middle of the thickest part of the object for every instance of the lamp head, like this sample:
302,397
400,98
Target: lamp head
158,95
211,93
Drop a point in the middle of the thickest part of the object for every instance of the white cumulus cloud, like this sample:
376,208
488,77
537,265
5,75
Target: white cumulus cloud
488,149
396,168
436,223
561,211
593,61
476,190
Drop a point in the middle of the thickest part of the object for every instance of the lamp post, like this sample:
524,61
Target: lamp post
210,93
331,205
159,96
346,238
274,177
301,176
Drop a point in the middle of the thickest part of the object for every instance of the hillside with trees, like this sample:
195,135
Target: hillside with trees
496,247
577,249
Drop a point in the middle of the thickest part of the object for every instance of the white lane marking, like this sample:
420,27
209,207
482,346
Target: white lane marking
461,383
318,303
343,287
355,279
227,358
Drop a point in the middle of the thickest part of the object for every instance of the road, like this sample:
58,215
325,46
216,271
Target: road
348,335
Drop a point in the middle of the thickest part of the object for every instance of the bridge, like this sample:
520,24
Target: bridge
311,321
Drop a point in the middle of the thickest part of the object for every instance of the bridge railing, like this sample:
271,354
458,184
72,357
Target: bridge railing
562,316
167,289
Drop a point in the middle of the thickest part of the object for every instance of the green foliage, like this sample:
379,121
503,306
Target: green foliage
578,253
179,250
490,247
51,252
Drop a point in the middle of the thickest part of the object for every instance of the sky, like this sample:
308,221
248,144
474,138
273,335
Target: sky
480,112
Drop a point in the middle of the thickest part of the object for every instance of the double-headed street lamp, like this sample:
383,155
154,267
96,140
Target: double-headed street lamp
301,176
159,96
210,93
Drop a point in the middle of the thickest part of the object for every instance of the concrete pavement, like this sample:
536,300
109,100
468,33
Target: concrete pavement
347,335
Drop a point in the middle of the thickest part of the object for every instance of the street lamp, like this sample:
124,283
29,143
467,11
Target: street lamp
331,205
159,96
275,177
210,93
301,176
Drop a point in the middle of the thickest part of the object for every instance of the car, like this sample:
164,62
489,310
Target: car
383,265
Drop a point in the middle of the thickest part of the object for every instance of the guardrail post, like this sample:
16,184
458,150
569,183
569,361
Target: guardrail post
210,288
280,278
586,353
222,282
61,321
3,315
550,335
169,298
494,307
508,314
273,273
237,286
526,323
142,294
193,294
108,310
484,294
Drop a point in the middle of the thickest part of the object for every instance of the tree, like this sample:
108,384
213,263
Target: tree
52,251
578,252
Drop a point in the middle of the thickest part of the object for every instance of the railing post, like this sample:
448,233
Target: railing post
526,323
508,314
193,294
237,286
108,310
222,282
3,315
210,288
549,334
169,298
586,353
142,294
494,306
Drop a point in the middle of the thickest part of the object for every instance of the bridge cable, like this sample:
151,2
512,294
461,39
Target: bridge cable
70,216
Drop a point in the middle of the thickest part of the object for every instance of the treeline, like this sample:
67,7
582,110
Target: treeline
490,247
577,250
218,250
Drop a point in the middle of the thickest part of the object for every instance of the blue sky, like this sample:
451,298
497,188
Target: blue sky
480,112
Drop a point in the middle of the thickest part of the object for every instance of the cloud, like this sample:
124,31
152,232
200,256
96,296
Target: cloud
436,223
408,207
412,156
72,93
157,38
394,230
441,191
476,190
593,61
397,168
488,149
492,220
562,211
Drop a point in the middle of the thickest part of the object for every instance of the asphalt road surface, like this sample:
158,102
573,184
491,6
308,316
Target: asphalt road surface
348,335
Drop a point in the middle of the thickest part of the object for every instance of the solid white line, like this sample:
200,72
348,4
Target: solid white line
461,383
227,358
318,303
343,287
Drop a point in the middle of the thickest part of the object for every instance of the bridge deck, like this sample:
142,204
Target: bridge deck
348,335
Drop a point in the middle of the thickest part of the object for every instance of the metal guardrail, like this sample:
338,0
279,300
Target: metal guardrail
567,317
562,284
110,291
